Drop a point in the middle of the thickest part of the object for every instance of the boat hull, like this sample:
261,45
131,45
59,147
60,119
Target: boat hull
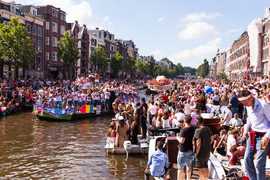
74,116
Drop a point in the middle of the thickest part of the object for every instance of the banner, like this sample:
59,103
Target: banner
127,100
98,111
51,112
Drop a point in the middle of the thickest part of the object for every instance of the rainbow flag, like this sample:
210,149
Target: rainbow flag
263,34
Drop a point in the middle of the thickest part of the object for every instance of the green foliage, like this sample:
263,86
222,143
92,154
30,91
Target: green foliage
151,69
116,63
179,69
16,48
203,69
141,68
99,59
129,65
223,76
192,71
67,49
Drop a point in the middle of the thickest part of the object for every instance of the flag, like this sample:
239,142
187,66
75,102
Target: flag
263,34
236,54
211,82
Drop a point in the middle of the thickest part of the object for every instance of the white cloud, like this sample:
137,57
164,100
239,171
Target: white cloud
200,16
194,57
198,30
158,53
161,19
82,12
234,31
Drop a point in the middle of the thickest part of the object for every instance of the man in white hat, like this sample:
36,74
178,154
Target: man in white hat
258,140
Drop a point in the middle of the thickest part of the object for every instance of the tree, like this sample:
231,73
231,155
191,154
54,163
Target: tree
15,46
150,69
192,71
67,50
141,67
129,65
223,76
179,69
203,69
116,63
99,59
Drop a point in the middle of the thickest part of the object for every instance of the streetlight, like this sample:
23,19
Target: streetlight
251,70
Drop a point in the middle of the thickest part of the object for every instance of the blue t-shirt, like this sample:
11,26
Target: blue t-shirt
157,162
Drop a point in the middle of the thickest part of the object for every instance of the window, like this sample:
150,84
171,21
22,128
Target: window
62,29
99,34
28,28
34,43
92,50
47,56
111,47
34,12
47,41
34,29
54,27
62,17
12,9
54,56
39,46
47,25
39,31
39,63
53,13
54,41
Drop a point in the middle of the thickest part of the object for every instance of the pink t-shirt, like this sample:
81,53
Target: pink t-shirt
193,120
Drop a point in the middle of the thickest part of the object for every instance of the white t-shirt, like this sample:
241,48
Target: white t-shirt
236,122
166,123
230,143
179,116
153,109
58,97
83,96
187,109
107,95
75,96
227,122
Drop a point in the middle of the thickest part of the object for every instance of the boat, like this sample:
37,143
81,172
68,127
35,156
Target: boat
216,170
57,114
237,170
211,122
141,148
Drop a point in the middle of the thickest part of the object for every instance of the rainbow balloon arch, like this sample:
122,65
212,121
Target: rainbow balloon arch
160,83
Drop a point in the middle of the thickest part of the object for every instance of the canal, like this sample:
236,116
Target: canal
35,149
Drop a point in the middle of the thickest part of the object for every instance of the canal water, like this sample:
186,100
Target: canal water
35,149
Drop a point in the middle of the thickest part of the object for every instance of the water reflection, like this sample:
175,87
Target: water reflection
34,149
134,166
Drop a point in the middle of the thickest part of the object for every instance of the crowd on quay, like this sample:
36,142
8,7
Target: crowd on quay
181,107
66,94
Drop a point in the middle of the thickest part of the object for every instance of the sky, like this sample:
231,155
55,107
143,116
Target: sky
184,31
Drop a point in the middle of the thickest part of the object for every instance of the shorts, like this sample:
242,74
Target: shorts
184,159
202,163
79,103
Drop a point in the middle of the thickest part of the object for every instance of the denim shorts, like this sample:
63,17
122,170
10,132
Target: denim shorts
184,159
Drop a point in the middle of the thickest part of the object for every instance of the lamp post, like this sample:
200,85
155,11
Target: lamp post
230,71
251,70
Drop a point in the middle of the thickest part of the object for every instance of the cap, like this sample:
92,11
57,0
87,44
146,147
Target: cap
121,118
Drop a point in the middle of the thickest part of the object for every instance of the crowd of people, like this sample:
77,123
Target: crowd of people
184,105
239,104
